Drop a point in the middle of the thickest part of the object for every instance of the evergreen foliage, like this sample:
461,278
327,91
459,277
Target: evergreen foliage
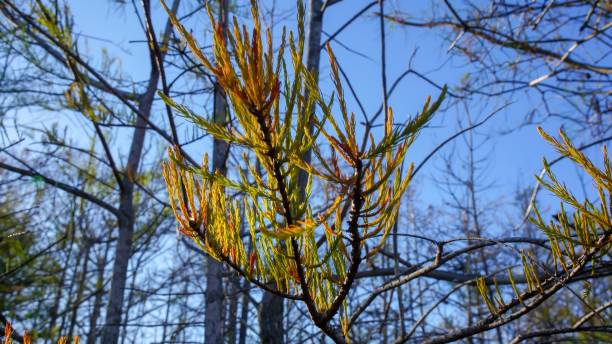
306,255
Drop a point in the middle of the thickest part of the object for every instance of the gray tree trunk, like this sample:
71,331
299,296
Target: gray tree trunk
244,313
123,250
271,311
232,316
126,218
213,315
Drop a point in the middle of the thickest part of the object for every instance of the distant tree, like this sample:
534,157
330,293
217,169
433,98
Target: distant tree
27,263
554,52
45,67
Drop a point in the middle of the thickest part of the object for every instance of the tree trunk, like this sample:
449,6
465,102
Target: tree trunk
313,56
232,316
271,311
123,250
244,313
213,316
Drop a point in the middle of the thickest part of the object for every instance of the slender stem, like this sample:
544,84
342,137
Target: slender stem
320,320
158,56
383,57
357,204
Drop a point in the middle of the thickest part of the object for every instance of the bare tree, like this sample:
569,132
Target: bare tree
554,52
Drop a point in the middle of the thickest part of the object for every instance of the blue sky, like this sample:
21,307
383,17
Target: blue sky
513,158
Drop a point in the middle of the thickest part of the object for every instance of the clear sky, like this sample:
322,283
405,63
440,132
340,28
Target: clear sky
512,159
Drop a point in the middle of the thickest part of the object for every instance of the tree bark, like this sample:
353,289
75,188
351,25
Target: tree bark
244,313
123,250
126,217
271,311
213,316
313,56
232,316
